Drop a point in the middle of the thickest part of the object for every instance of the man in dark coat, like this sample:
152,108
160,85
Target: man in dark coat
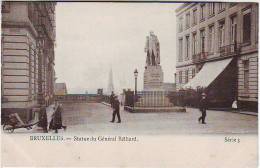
112,99
203,108
43,121
116,107
56,122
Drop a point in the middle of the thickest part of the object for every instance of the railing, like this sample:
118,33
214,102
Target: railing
231,49
224,51
199,57
78,98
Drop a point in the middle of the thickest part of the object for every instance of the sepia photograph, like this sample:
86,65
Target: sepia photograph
155,81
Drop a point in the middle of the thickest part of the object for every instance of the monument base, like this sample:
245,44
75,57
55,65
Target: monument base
153,78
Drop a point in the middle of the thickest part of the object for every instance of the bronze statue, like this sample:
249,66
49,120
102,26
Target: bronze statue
152,48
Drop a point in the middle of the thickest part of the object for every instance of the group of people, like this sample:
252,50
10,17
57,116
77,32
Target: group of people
56,120
115,105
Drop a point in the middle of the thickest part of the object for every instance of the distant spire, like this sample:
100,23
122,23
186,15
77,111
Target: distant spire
110,82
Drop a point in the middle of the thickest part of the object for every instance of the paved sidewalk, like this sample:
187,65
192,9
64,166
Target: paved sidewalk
93,118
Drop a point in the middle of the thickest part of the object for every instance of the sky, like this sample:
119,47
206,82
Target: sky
92,38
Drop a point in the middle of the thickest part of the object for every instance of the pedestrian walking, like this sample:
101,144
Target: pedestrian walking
116,112
203,108
112,99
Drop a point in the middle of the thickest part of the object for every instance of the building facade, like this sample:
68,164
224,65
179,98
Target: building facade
28,38
211,32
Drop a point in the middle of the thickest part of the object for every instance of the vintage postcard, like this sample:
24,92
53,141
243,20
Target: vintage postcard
129,84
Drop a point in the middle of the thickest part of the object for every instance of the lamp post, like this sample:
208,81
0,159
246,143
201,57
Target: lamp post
135,74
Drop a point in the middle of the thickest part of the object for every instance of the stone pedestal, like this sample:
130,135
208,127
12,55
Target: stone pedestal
153,78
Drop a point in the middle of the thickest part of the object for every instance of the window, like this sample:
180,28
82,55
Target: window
194,44
194,17
246,74
193,72
180,77
247,26
180,24
180,49
30,73
187,20
211,39
187,47
186,76
221,7
202,40
202,12
221,33
211,9
233,29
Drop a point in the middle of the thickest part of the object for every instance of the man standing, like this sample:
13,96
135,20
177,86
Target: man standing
43,121
203,107
116,106
112,99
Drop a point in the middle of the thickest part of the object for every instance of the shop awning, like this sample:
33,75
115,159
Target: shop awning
208,74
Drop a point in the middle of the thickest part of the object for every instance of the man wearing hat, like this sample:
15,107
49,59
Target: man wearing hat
116,107
203,107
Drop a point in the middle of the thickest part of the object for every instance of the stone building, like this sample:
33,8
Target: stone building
217,49
28,40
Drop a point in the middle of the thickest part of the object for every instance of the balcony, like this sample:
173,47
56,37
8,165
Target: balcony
229,50
196,58
224,51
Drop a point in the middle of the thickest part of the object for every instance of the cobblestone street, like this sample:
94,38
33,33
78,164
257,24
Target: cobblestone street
93,118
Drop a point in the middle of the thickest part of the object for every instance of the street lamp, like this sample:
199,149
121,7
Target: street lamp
135,93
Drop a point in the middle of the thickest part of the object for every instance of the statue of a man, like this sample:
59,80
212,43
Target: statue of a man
152,48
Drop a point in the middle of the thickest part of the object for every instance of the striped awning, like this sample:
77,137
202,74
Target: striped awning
208,73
